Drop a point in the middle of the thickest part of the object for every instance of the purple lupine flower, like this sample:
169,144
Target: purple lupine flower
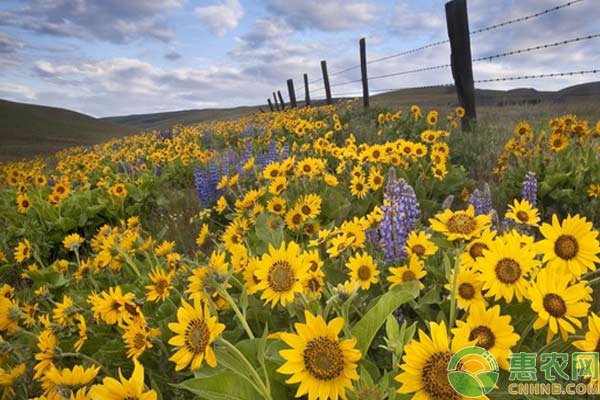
399,217
399,315
121,168
158,170
373,237
481,201
286,151
530,188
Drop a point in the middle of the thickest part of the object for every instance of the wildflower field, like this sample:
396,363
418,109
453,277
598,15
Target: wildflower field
325,252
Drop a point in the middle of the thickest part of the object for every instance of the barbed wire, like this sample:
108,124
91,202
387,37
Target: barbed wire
480,30
535,48
525,18
411,71
547,75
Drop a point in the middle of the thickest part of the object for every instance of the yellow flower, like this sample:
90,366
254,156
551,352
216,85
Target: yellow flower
72,242
363,270
591,343
136,341
460,112
489,330
202,235
523,213
558,304
462,224
504,268
571,246
123,389
47,344
420,245
413,271
118,190
281,273
196,329
77,376
64,313
358,187
318,360
221,205
425,365
23,203
160,287
558,142
10,314
468,292
594,190
164,248
432,118
375,178
294,218
82,328
23,251
475,249
276,205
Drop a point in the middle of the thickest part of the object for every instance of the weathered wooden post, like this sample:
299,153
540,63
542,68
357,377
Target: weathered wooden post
270,104
276,102
306,91
326,81
281,100
460,58
292,94
363,71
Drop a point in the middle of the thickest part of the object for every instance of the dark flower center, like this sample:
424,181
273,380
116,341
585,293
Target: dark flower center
323,358
466,291
408,276
418,249
197,336
477,249
555,305
566,247
522,216
508,271
364,273
435,377
461,223
484,336
281,276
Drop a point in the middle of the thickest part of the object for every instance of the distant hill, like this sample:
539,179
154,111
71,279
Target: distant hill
27,130
166,120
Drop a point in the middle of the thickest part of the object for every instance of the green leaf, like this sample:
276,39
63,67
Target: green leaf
365,329
223,386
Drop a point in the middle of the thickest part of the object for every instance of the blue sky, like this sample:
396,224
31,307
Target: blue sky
115,57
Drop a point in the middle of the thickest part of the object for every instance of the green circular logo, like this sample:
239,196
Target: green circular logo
473,372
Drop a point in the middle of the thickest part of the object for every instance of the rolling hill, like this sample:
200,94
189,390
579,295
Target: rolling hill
27,130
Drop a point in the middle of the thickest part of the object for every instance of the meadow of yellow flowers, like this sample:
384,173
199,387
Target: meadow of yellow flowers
324,252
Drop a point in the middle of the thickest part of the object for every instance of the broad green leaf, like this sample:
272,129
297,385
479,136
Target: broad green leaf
224,386
365,329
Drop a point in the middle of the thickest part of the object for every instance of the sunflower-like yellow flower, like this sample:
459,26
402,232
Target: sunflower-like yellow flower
123,389
160,287
522,212
413,271
468,291
363,270
23,251
76,376
420,245
202,235
462,224
425,365
591,342
196,329
23,203
504,269
318,360
281,274
489,330
359,187
558,304
571,246
72,242
475,248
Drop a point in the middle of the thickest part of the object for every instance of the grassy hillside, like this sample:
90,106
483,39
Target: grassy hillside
168,119
27,130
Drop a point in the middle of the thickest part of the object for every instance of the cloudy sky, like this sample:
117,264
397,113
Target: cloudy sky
115,57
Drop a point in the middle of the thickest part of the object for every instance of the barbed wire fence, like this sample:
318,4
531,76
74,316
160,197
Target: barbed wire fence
461,64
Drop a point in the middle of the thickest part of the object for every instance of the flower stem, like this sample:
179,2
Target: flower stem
223,292
456,271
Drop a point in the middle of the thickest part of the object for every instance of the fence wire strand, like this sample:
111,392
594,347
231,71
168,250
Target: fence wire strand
546,75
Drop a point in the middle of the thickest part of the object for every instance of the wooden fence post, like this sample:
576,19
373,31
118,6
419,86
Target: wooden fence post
326,81
290,85
281,100
276,102
306,91
363,71
462,68
270,104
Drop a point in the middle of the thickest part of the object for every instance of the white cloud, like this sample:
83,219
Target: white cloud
222,17
17,92
330,15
